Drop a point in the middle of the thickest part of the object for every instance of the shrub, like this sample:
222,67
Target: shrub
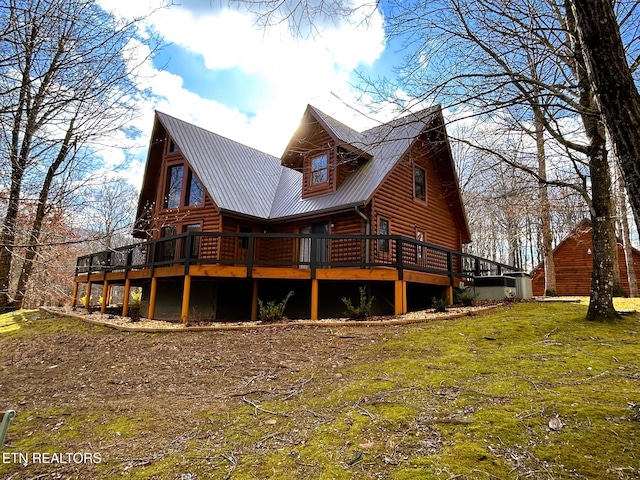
464,296
272,311
363,310
439,304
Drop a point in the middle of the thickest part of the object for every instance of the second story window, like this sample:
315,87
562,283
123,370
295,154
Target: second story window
195,192
173,147
174,186
419,183
320,169
182,188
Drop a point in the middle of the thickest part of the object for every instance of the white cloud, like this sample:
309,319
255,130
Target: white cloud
293,71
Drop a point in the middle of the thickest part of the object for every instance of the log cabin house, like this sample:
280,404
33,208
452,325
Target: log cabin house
223,225
574,264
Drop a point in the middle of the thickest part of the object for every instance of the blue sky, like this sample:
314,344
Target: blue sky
252,85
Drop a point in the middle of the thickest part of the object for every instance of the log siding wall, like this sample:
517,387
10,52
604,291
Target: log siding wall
395,202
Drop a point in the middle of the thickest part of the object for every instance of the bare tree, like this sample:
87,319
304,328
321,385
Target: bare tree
65,82
110,213
611,74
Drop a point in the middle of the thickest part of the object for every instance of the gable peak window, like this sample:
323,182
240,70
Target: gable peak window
320,169
419,183
174,186
173,147
182,187
195,191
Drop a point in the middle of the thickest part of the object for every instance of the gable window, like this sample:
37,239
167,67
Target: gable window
174,186
194,190
182,187
419,183
320,169
173,148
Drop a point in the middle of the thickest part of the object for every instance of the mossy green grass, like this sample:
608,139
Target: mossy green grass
531,390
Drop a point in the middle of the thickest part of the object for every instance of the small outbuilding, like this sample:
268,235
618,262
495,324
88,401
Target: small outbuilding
573,259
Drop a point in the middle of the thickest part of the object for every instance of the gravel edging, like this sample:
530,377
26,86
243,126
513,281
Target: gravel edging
158,326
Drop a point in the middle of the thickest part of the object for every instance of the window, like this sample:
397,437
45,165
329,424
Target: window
167,248
383,229
194,190
419,183
173,148
174,186
320,169
419,248
195,240
243,242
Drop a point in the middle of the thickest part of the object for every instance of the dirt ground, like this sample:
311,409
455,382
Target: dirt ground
69,372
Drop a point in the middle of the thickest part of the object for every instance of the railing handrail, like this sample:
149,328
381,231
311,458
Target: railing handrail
395,257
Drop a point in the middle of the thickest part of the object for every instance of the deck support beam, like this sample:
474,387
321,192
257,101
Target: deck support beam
74,296
254,301
400,297
87,300
125,298
186,295
314,299
105,296
152,298
450,295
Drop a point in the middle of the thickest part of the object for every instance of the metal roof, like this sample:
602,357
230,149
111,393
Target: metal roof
238,178
250,182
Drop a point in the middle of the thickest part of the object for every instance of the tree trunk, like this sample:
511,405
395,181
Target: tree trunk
605,278
545,208
616,91
604,241
626,239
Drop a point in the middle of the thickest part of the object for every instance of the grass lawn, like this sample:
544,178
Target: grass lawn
527,391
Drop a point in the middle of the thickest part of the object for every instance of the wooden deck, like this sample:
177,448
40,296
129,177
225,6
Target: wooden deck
314,258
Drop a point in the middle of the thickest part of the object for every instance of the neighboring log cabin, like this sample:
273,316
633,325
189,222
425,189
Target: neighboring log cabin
573,258
224,225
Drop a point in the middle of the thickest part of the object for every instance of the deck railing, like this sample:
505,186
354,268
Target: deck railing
305,251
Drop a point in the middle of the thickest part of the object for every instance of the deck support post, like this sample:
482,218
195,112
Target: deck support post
400,297
186,294
74,296
125,299
449,295
152,298
105,296
314,299
87,300
254,302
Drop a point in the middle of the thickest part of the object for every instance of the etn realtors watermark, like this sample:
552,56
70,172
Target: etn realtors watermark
55,458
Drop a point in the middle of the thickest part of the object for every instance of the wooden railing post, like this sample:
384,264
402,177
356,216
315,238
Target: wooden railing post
187,252
250,249
313,255
400,258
